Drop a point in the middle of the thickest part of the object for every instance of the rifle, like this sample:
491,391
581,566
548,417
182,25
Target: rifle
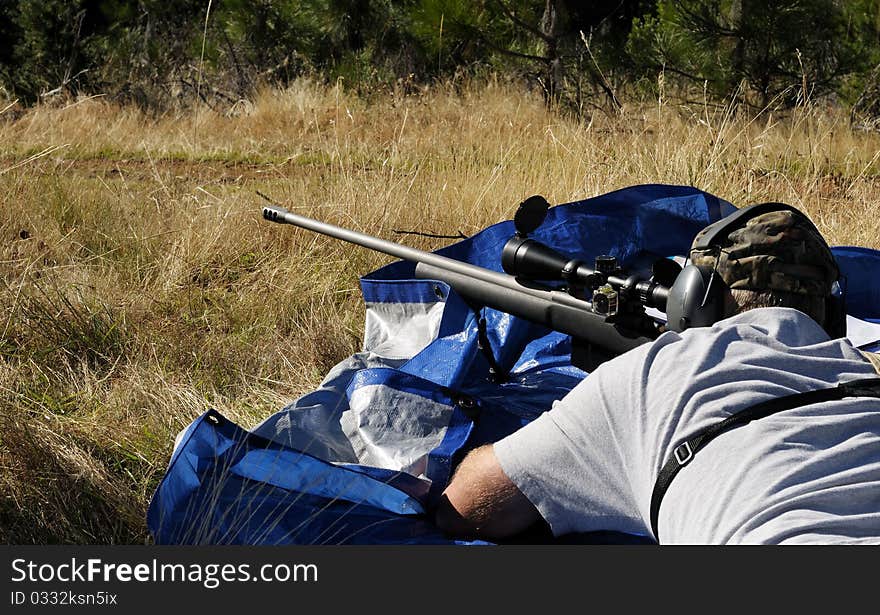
601,307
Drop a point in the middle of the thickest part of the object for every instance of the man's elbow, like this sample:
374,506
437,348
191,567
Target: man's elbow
481,502
498,525
451,522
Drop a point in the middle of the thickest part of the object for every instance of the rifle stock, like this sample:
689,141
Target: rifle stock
554,309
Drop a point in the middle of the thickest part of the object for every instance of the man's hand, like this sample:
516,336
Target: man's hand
481,502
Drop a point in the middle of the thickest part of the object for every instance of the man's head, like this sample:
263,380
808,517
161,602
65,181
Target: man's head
776,258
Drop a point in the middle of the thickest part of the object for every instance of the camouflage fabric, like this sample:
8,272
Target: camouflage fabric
873,359
779,250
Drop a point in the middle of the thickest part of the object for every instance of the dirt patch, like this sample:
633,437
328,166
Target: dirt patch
139,169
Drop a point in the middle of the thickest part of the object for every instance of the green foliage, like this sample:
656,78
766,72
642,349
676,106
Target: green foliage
370,40
46,37
862,88
263,39
155,53
275,41
569,49
73,46
449,34
772,48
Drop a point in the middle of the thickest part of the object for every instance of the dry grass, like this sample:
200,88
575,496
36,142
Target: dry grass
139,286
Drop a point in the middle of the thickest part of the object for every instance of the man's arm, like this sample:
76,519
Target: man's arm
481,501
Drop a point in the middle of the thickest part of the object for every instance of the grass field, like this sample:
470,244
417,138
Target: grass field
140,285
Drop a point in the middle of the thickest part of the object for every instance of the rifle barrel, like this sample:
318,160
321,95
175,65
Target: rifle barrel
281,215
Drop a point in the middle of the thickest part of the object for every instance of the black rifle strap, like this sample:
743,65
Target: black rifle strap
497,375
684,452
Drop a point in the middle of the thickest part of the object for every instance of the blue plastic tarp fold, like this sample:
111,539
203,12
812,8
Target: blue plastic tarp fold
362,459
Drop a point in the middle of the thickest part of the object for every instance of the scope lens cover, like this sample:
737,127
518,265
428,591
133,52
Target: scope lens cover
530,214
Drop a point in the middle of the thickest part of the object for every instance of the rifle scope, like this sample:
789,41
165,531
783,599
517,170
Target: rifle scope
526,258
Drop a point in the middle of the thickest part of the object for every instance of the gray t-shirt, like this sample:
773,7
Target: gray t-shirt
810,474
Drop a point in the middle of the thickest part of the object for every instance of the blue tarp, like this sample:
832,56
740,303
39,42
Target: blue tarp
362,458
